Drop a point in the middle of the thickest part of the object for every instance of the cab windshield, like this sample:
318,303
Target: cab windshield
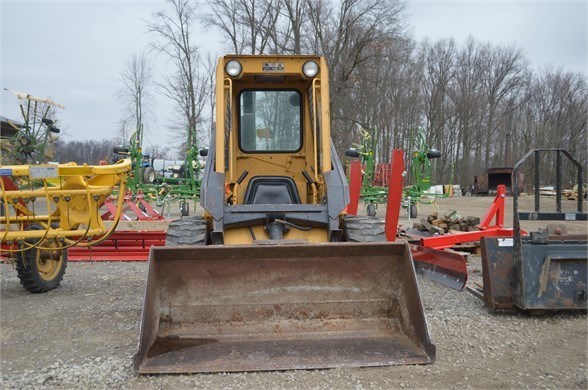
269,120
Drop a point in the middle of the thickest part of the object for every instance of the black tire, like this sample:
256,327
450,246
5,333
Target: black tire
364,229
371,210
187,231
148,175
414,211
41,270
120,150
184,208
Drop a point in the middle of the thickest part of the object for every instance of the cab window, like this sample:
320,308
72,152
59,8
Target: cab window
270,121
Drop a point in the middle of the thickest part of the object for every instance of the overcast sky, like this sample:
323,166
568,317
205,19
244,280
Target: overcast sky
73,51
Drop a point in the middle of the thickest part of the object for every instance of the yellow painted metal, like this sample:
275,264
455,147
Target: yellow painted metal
73,204
220,116
298,302
72,169
49,259
56,191
20,235
325,119
240,236
314,157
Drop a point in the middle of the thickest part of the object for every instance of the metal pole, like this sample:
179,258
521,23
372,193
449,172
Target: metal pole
507,153
558,180
580,188
537,178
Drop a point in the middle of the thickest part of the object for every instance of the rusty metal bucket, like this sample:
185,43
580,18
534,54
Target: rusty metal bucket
281,307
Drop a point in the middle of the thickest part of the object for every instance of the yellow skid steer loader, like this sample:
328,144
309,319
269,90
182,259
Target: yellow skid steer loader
274,275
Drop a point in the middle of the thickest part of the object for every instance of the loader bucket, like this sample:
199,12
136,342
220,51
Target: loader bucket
281,307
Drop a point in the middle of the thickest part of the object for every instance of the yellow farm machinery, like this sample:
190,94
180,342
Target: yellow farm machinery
275,275
45,209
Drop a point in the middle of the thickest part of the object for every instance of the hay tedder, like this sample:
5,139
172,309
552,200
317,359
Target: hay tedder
374,192
275,275
45,209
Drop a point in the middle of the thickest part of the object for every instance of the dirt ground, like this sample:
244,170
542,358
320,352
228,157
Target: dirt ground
83,335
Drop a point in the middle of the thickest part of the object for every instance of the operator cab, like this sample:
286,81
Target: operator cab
270,122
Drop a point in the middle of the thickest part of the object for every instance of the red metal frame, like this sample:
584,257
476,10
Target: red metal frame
396,184
382,175
449,240
124,245
130,203
354,187
494,212
447,268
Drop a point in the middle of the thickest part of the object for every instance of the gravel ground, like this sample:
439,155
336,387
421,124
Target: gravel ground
83,335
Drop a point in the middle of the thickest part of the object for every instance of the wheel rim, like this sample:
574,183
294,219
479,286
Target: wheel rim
48,268
151,177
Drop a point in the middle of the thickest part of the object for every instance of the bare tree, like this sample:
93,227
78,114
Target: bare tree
349,34
124,132
135,92
505,73
247,24
158,151
84,152
290,38
224,15
554,113
172,31
467,99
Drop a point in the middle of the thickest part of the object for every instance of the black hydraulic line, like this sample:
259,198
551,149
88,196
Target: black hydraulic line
303,228
242,177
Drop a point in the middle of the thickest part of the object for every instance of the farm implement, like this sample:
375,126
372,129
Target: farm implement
40,222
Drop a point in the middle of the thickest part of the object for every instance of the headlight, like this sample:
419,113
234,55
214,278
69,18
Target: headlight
233,68
310,68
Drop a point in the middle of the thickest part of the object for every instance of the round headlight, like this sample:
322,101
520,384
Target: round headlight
233,68
310,69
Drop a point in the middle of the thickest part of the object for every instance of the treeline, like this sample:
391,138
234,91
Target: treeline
89,151
467,97
93,151
469,100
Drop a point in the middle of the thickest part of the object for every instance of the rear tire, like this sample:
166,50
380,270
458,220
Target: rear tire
41,270
364,229
148,175
120,150
187,231
414,211
371,210
184,208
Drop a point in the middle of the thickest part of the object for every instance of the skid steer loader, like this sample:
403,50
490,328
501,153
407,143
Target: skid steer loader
274,276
